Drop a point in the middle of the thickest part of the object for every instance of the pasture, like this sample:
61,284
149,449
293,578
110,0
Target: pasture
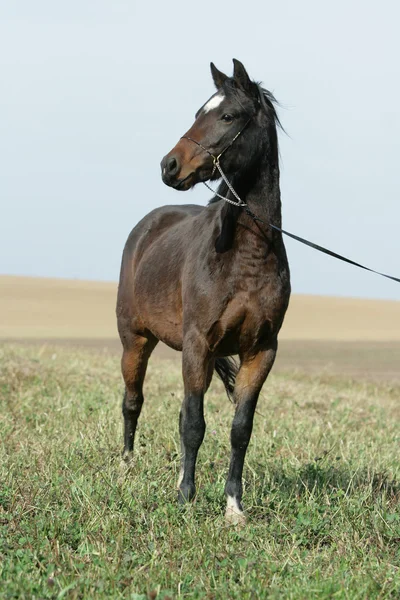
322,483
322,480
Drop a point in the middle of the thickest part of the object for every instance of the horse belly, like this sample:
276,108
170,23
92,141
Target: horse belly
158,298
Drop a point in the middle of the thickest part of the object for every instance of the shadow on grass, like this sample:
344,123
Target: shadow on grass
316,479
327,505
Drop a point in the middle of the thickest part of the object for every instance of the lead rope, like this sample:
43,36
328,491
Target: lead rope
296,237
242,204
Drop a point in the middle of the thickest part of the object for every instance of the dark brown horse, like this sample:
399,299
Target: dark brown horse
210,282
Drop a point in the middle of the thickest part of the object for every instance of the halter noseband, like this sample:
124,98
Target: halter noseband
218,166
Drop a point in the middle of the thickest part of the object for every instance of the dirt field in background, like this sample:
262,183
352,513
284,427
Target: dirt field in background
59,308
355,338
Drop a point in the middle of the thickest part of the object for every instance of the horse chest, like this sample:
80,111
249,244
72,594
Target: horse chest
256,298
249,321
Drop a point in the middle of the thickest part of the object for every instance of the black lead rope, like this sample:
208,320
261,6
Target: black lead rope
241,204
319,248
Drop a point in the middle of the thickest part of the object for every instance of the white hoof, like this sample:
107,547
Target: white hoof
234,514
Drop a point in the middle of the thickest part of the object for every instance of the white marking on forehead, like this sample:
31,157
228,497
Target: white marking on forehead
213,102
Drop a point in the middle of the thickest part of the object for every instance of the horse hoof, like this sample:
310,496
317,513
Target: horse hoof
125,466
235,518
234,514
186,494
127,458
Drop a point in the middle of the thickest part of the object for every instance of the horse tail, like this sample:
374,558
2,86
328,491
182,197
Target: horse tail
227,369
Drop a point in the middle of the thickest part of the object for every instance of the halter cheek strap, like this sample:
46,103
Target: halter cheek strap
216,160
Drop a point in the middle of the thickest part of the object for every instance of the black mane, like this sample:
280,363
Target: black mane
269,101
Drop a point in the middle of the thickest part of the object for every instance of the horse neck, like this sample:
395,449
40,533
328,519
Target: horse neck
259,188
263,195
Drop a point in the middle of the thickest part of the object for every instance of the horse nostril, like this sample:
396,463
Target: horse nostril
172,166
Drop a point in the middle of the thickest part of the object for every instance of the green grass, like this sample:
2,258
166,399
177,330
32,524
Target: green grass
322,488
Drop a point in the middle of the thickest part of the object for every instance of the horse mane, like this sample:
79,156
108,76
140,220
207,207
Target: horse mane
269,103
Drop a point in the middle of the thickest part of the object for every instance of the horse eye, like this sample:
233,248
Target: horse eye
227,118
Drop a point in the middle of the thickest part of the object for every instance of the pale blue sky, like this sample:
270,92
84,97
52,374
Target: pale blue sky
94,93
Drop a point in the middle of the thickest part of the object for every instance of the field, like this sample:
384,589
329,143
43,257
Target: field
33,307
322,476
322,487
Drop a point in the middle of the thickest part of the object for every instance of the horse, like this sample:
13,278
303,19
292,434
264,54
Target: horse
211,282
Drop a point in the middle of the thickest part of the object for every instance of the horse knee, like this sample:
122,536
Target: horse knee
132,404
186,492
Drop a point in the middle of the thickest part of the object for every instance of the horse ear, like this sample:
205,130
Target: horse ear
241,77
219,78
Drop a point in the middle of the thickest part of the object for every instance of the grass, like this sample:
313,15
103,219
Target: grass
322,488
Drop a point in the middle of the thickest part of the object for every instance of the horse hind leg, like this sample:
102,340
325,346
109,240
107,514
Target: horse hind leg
252,374
133,365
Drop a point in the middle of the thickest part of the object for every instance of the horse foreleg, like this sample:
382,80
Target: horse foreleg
134,364
192,425
252,374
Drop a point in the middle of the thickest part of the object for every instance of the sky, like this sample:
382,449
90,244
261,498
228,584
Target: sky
94,93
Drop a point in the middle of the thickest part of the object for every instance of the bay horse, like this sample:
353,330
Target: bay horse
210,281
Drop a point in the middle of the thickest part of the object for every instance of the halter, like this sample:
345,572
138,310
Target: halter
217,165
